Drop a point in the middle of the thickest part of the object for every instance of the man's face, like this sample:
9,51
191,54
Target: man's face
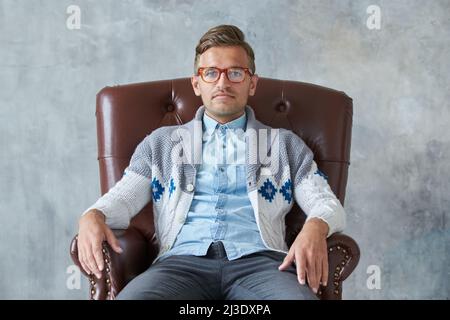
224,100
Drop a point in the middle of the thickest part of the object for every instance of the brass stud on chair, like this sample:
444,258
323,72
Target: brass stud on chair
336,275
347,256
107,270
338,268
92,282
331,249
336,291
336,283
344,251
107,280
92,291
106,260
338,247
343,263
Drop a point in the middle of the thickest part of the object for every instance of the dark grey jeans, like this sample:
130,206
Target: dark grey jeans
184,277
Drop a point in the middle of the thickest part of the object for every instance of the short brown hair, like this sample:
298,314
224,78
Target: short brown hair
223,36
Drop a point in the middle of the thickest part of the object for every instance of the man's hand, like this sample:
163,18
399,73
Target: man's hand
309,253
92,232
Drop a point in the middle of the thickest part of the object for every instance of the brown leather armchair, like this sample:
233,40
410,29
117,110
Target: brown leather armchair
125,114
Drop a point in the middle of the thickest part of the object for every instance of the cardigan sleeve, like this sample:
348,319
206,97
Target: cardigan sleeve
312,191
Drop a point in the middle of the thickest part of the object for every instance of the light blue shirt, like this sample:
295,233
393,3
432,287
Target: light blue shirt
220,209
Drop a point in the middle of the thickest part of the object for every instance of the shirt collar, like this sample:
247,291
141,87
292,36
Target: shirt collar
210,124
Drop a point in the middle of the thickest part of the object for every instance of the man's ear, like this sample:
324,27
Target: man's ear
253,82
195,85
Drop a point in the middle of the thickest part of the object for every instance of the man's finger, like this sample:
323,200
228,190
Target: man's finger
325,271
311,273
112,240
92,264
301,268
318,265
287,261
82,259
98,256
85,268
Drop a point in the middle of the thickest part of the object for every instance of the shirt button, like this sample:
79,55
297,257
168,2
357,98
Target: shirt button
190,187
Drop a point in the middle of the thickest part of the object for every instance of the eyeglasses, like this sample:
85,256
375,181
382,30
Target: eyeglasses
234,74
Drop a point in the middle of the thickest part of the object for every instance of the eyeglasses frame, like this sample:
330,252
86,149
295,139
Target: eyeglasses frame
200,73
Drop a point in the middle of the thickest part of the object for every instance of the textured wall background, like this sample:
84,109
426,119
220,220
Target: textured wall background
397,199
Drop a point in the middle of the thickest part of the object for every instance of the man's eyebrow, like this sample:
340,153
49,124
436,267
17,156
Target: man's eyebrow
234,66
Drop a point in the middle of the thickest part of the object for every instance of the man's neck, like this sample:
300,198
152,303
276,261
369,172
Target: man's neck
226,119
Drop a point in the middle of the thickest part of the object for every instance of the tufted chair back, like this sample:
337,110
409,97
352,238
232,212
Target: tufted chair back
322,117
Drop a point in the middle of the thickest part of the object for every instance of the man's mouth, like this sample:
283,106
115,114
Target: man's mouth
222,96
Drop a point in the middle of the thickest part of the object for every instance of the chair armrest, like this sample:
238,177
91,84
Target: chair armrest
343,257
138,254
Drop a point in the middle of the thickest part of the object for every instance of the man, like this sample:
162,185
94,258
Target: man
219,218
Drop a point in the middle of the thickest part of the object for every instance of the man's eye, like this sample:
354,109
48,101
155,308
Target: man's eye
210,73
235,73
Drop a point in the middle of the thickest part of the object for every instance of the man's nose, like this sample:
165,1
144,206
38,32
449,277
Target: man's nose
223,81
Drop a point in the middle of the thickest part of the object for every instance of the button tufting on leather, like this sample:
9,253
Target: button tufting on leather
170,108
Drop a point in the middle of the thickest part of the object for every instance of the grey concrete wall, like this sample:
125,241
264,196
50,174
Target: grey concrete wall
398,189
